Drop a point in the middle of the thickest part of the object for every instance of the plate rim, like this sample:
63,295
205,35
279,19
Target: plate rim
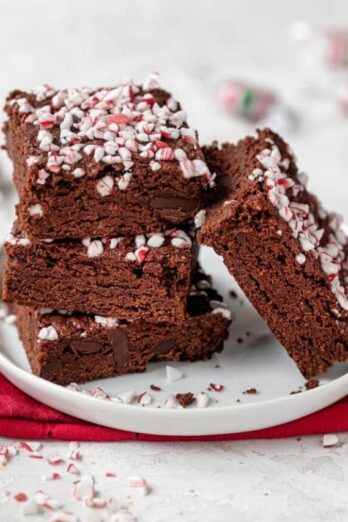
311,401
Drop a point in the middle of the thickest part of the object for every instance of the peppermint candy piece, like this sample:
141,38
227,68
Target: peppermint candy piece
105,185
173,374
48,333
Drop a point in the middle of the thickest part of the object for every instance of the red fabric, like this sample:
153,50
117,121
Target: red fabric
24,417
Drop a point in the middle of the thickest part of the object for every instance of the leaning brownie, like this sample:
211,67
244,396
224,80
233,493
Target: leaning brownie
288,254
96,162
66,348
129,278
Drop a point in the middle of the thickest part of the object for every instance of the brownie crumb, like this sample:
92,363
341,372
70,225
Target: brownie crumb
312,383
240,340
250,391
155,388
233,294
185,399
294,392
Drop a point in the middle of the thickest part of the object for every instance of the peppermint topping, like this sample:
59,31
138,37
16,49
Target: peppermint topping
42,176
145,399
94,248
139,484
108,322
155,240
199,218
14,240
203,400
111,126
105,185
48,333
219,307
142,244
282,191
301,259
35,210
173,374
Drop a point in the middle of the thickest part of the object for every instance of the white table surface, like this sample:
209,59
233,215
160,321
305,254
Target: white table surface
193,44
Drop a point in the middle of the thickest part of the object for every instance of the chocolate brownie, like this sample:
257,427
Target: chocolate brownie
77,347
100,162
289,255
146,276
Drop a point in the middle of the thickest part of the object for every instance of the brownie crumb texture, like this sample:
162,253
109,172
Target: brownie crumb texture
250,391
311,384
185,399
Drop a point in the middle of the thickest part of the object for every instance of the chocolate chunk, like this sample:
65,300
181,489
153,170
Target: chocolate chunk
85,347
119,343
180,204
164,346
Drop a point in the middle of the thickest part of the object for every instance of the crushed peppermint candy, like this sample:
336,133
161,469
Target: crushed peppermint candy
216,387
282,191
127,397
52,476
202,400
84,488
139,484
105,185
30,508
48,333
15,240
145,399
330,440
108,322
173,374
171,402
95,248
110,126
142,243
35,210
301,259
199,218
219,307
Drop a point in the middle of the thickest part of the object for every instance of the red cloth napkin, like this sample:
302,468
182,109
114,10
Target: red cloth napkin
25,418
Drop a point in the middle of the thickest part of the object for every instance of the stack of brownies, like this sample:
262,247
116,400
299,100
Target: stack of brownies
101,266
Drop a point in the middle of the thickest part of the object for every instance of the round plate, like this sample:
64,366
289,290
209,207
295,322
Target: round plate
252,358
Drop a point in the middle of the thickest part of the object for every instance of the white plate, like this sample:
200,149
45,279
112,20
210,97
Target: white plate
258,362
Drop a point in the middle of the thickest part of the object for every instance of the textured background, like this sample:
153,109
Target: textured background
195,43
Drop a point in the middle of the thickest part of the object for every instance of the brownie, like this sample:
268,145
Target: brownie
144,276
98,162
66,348
289,255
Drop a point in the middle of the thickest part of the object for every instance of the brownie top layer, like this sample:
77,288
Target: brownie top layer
203,299
262,172
81,132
